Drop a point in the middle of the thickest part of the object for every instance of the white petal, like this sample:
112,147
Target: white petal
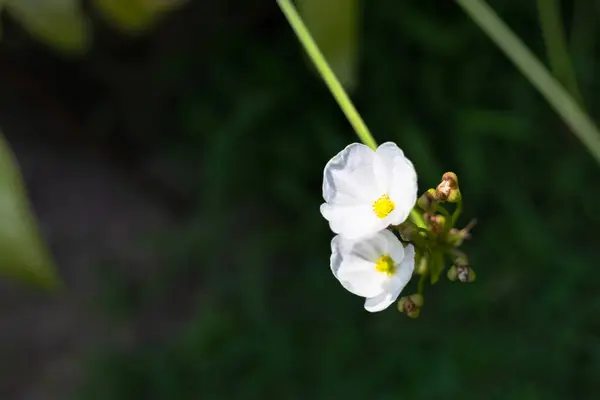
394,286
403,185
404,271
394,247
383,165
354,221
373,247
381,302
352,264
348,178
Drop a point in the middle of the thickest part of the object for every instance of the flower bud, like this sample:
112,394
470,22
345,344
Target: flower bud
428,201
448,190
454,196
422,263
411,305
437,223
452,273
462,273
406,230
451,178
456,237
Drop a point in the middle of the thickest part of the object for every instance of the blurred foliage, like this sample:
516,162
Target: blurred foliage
24,255
334,25
64,25
134,16
58,23
264,317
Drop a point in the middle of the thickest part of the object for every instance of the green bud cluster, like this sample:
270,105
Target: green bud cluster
437,244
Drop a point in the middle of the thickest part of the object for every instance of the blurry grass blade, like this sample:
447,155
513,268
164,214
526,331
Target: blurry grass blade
23,253
134,16
58,23
334,26
562,102
556,45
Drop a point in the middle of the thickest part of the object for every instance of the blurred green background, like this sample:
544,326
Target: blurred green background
177,177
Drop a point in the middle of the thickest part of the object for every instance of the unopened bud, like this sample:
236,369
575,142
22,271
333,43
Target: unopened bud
422,263
452,273
428,201
406,230
454,196
456,236
462,273
448,190
437,223
411,305
451,178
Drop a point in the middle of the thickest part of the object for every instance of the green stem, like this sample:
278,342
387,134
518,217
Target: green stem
456,213
556,46
443,211
426,233
334,85
562,102
422,280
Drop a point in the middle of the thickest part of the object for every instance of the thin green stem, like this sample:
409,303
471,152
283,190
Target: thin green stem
334,85
551,23
443,211
422,280
556,95
427,233
327,73
456,213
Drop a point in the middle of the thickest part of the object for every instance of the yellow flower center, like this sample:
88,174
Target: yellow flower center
383,206
385,265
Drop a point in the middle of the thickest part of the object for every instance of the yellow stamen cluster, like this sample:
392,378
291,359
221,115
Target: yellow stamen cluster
386,265
383,206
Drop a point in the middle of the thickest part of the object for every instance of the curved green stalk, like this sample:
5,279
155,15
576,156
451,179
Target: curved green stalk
421,285
334,85
327,74
556,46
562,102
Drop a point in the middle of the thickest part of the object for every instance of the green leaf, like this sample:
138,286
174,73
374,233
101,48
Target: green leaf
58,23
436,266
23,254
334,26
135,16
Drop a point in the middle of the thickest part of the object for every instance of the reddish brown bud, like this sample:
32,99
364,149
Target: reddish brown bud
448,190
462,273
411,305
437,223
428,201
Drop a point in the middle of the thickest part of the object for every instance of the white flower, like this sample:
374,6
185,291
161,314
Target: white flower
377,267
365,190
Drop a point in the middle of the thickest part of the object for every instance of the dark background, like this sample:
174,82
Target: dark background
177,180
